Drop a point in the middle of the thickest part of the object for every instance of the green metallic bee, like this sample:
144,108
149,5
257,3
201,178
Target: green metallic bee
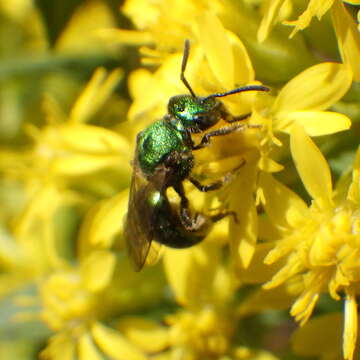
163,158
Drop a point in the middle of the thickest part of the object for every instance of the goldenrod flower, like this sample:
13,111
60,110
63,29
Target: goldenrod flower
344,25
73,307
77,301
319,241
66,146
151,18
205,326
303,101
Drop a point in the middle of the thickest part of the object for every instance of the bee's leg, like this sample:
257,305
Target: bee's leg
185,215
226,116
227,178
213,186
191,223
231,119
222,214
205,141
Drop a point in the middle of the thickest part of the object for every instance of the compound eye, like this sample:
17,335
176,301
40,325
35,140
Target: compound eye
180,108
200,120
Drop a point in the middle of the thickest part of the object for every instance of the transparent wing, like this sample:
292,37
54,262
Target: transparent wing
153,254
138,230
141,217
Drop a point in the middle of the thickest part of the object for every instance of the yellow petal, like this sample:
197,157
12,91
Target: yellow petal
195,270
243,235
103,223
97,269
78,165
87,349
216,45
244,248
91,139
79,149
323,251
113,344
79,35
354,190
126,37
269,165
146,334
258,272
267,229
283,206
316,88
243,72
263,300
95,94
60,347
348,37
271,11
304,306
350,325
315,123
143,13
138,81
320,336
160,82
311,166
315,8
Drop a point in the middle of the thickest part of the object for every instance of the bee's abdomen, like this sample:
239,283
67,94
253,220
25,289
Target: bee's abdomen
170,231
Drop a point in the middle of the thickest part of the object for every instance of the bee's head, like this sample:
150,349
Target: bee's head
196,114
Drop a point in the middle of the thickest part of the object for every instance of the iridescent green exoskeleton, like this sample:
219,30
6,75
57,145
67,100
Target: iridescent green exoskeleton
163,158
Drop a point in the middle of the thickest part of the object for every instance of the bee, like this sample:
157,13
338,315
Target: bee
164,158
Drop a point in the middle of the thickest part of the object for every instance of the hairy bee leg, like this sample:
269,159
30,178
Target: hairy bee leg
217,184
190,223
205,141
185,216
231,119
213,186
221,215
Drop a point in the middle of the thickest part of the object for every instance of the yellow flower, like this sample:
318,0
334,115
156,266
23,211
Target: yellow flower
151,18
204,327
185,19
344,26
319,242
64,188
65,152
302,101
204,286
77,301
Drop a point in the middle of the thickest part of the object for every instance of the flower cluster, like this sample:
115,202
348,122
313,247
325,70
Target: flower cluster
70,112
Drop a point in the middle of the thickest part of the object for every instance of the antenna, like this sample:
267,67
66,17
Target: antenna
183,67
238,90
